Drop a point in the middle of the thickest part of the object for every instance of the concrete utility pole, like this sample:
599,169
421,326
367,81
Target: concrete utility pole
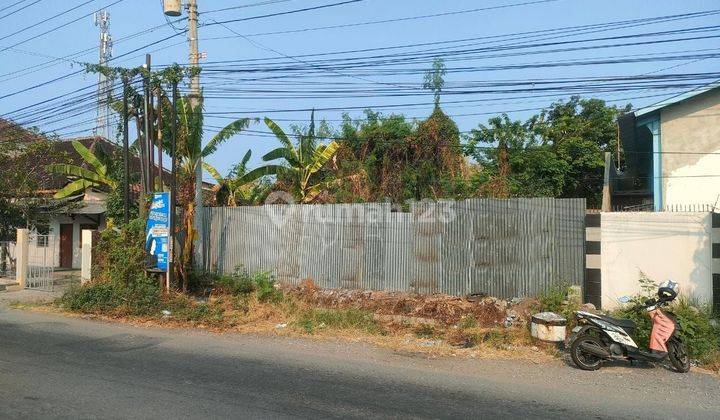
194,59
194,56
147,104
105,84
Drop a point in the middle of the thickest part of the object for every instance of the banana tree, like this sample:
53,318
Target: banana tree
96,176
302,163
191,154
235,190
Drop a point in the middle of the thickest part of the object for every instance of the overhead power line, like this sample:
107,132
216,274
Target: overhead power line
58,27
288,12
244,6
46,20
17,10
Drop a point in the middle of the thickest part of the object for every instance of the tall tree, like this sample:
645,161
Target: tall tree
557,153
24,155
514,162
580,131
435,79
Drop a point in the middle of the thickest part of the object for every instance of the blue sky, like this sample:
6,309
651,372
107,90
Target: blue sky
131,16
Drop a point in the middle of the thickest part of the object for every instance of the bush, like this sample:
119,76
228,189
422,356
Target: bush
139,298
265,288
557,299
698,333
242,283
121,254
95,297
120,284
236,285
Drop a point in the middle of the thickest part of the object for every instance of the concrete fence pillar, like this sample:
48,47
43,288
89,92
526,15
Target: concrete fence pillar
22,256
89,240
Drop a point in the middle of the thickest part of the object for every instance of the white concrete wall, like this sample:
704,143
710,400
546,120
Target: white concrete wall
676,246
77,235
692,127
86,253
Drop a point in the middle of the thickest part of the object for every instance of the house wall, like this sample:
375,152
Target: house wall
663,245
55,223
691,126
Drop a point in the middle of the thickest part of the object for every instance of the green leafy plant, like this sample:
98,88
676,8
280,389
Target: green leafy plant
468,321
237,190
265,289
82,179
302,163
557,299
240,283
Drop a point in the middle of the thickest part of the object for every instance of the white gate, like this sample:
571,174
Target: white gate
42,250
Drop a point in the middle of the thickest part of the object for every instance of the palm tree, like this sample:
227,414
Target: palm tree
82,179
301,162
235,190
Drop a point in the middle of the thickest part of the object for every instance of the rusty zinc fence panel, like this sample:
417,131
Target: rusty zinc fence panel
504,248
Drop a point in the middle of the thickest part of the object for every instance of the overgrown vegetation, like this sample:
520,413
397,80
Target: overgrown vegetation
313,319
696,322
242,283
24,154
120,284
560,298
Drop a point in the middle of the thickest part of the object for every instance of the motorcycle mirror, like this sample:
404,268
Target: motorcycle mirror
624,299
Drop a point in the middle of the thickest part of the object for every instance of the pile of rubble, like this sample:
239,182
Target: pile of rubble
437,308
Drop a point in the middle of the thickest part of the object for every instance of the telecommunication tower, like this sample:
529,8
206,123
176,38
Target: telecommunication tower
105,84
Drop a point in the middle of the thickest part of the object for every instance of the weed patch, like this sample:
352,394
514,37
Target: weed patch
313,319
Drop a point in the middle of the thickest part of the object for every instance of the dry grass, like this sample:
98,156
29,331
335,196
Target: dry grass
297,318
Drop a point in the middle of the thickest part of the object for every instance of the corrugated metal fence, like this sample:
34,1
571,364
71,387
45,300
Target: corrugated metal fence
505,248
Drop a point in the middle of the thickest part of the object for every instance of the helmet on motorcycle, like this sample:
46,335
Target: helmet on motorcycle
667,291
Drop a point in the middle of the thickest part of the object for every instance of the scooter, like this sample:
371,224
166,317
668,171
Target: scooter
598,337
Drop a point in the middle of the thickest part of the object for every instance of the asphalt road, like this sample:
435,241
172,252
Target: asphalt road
58,367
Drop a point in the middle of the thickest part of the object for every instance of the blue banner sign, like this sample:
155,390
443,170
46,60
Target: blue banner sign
158,226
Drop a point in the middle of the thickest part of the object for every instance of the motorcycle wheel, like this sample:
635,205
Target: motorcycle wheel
678,356
582,359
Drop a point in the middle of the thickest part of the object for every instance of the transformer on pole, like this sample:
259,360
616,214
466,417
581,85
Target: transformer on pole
105,84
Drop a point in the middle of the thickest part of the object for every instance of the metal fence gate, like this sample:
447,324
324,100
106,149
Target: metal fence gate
7,259
41,261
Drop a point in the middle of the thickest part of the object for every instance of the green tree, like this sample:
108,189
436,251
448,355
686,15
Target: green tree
24,155
435,79
580,131
514,163
299,172
557,153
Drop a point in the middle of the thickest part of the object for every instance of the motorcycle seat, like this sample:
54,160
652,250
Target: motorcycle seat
623,323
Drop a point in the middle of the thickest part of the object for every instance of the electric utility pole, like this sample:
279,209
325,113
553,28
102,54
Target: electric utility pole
173,8
105,84
195,99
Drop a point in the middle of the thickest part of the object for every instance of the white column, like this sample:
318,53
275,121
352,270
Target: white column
86,255
22,251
